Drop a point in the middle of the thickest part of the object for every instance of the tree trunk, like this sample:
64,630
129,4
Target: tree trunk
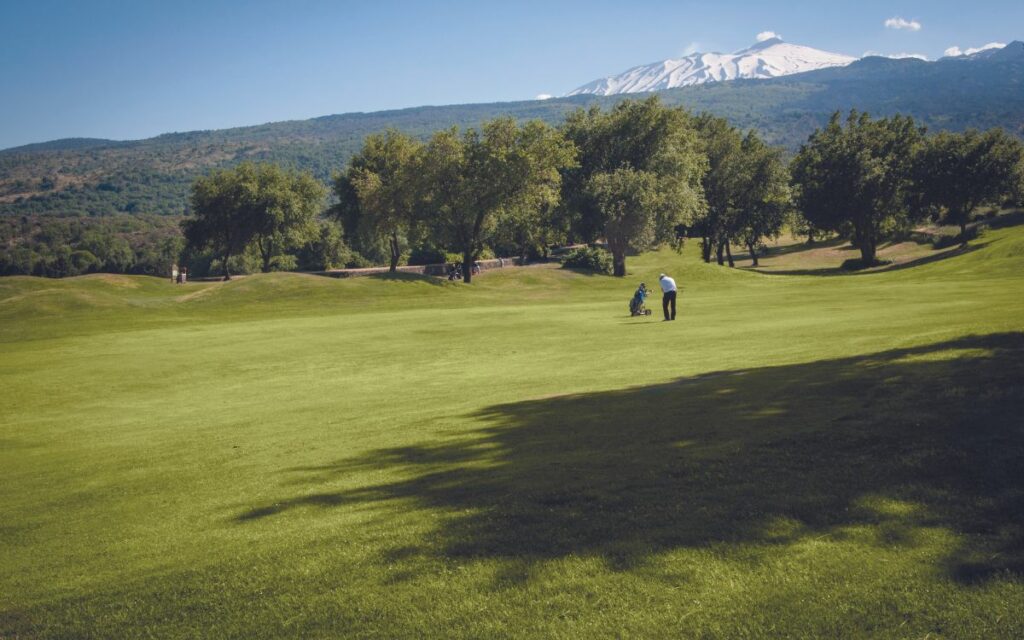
753,253
467,266
718,253
705,248
810,237
963,232
867,252
395,252
227,275
266,252
619,263
728,253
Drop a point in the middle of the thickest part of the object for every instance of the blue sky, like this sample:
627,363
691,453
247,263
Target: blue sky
134,69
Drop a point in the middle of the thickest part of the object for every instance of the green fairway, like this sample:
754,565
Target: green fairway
834,455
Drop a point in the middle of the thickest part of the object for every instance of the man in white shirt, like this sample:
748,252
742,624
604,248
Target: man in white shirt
668,290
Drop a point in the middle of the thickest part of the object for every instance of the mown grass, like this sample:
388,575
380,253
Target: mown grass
287,455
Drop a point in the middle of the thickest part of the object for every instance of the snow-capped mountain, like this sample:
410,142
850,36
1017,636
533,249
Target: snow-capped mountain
768,59
991,51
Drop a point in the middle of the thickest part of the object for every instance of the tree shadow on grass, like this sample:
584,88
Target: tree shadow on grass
788,249
1006,220
400,276
919,437
899,266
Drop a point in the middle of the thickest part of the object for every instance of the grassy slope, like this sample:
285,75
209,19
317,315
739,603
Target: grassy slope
292,455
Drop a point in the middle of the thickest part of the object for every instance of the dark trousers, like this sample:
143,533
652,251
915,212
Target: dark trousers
669,299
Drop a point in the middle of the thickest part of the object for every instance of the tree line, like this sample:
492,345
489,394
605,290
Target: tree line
631,177
55,247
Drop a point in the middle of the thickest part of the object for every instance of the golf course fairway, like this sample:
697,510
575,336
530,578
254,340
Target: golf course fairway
286,455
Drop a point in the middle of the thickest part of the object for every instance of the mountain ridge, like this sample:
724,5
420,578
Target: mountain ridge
768,58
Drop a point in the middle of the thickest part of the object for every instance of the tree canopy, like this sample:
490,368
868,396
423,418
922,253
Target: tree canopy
262,205
955,173
763,197
377,193
857,175
470,181
638,176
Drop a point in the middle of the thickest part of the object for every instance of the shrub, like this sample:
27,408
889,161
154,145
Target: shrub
948,240
83,261
856,264
589,258
357,261
427,254
284,262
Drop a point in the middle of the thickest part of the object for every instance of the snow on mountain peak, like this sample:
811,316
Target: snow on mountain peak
769,58
761,45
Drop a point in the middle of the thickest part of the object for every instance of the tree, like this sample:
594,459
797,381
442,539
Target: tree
234,207
285,207
955,173
722,143
630,203
638,177
469,182
527,230
222,220
762,197
376,194
326,250
857,177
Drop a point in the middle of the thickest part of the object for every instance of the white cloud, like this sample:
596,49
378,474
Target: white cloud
897,22
956,51
896,56
767,35
691,49
544,96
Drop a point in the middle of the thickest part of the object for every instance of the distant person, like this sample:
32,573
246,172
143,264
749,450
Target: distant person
174,274
636,305
668,298
183,276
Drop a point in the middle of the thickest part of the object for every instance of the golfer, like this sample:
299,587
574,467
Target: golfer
668,289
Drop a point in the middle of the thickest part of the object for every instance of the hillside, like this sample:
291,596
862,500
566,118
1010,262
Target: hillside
98,177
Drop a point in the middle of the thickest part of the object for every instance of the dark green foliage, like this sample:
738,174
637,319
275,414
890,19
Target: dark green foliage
762,197
955,173
471,181
589,259
377,195
252,206
56,247
327,250
722,144
427,253
858,177
638,176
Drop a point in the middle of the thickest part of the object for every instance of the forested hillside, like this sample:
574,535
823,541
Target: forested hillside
100,177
